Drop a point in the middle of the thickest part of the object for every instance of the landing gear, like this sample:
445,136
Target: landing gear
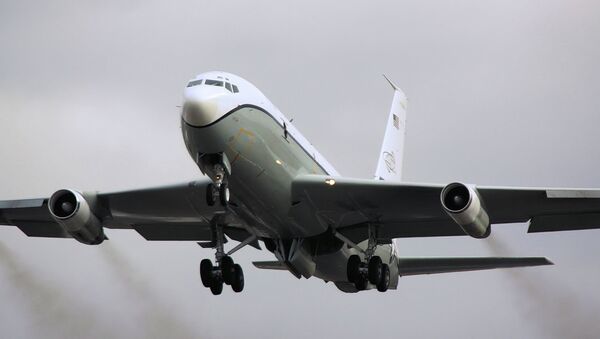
224,194
371,270
220,191
353,267
237,284
225,270
206,268
384,283
375,272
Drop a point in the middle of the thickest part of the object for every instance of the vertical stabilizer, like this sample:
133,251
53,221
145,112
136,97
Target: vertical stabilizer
389,166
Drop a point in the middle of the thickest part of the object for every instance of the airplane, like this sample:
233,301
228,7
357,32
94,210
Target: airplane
265,182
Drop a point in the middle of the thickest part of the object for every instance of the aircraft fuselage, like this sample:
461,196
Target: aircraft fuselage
264,153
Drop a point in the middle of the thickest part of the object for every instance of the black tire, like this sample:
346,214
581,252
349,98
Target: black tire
224,194
360,282
237,284
352,267
384,283
375,265
227,269
206,268
210,194
216,286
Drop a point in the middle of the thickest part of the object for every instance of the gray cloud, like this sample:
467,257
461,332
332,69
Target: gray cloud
155,320
557,310
52,313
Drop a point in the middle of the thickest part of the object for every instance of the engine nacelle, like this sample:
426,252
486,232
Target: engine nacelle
71,210
463,205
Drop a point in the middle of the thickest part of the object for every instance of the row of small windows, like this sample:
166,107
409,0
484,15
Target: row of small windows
219,83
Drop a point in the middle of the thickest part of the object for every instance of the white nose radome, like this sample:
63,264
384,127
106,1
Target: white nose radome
201,106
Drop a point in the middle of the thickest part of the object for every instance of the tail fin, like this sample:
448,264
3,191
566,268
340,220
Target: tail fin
389,166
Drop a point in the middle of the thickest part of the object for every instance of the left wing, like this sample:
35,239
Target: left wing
177,212
415,210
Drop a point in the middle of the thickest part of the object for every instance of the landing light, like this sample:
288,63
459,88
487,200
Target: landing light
330,182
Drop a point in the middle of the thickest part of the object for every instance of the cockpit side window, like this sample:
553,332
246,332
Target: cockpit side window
235,89
214,82
228,86
194,83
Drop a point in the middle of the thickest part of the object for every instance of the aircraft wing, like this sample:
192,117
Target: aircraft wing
415,210
177,212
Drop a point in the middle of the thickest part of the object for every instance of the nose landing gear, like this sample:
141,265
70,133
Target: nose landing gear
218,168
217,191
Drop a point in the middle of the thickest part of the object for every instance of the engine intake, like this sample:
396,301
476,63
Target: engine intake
72,211
463,205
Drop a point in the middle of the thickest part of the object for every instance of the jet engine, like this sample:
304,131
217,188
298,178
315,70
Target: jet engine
463,205
73,212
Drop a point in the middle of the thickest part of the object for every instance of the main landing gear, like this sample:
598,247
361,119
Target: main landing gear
373,271
225,270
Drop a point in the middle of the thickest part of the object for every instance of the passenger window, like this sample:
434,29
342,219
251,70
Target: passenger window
194,83
228,86
214,82
235,89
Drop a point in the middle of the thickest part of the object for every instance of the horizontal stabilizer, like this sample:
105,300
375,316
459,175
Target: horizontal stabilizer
270,265
415,266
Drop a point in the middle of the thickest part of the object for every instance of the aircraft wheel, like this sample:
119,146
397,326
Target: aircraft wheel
224,194
227,269
352,267
360,282
384,283
210,194
237,284
206,268
216,286
375,265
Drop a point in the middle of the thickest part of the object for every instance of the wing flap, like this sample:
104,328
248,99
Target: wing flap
416,266
174,231
564,222
270,265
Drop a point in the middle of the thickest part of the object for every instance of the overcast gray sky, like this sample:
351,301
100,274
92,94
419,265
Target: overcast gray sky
500,92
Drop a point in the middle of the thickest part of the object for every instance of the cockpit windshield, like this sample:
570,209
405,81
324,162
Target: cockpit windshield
194,83
219,83
214,82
